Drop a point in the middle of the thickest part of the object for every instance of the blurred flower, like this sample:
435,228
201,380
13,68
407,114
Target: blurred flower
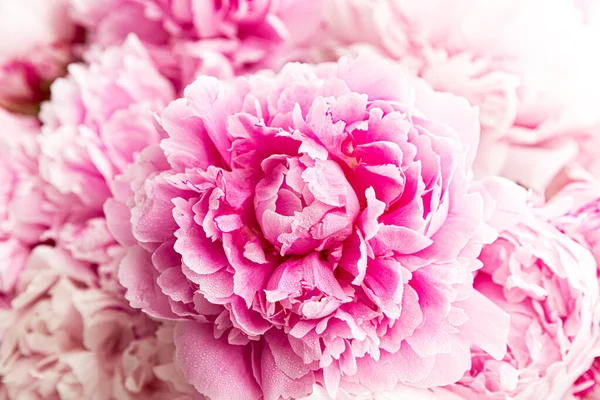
529,65
547,283
24,214
64,338
190,38
98,120
575,210
37,47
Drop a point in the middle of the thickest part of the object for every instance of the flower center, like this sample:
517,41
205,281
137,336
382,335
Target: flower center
303,205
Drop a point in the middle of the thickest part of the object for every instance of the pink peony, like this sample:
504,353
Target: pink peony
23,210
530,65
188,38
64,338
575,210
547,282
97,121
37,47
315,226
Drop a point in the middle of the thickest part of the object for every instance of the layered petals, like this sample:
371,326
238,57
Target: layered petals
310,228
64,337
190,38
530,66
546,281
25,213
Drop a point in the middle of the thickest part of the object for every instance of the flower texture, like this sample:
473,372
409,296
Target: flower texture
588,384
547,282
400,392
98,120
529,65
314,226
24,215
575,210
39,36
189,38
64,338
591,12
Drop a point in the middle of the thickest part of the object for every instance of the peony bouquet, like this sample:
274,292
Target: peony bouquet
299,200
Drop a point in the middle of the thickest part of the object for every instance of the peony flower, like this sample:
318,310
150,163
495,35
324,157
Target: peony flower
64,338
189,38
575,210
529,65
98,120
23,211
147,370
39,35
547,282
311,227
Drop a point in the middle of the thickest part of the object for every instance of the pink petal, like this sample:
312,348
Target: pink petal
488,325
402,240
215,368
189,144
138,276
276,384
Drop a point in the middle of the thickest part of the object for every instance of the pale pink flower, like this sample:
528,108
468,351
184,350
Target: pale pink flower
87,240
37,47
575,210
64,338
530,65
547,283
23,211
314,226
188,38
98,120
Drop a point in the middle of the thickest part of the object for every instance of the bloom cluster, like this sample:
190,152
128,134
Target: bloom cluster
316,200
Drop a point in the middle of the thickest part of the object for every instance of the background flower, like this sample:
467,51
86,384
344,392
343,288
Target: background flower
547,283
24,213
36,49
97,121
190,38
314,226
529,66
575,210
65,338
